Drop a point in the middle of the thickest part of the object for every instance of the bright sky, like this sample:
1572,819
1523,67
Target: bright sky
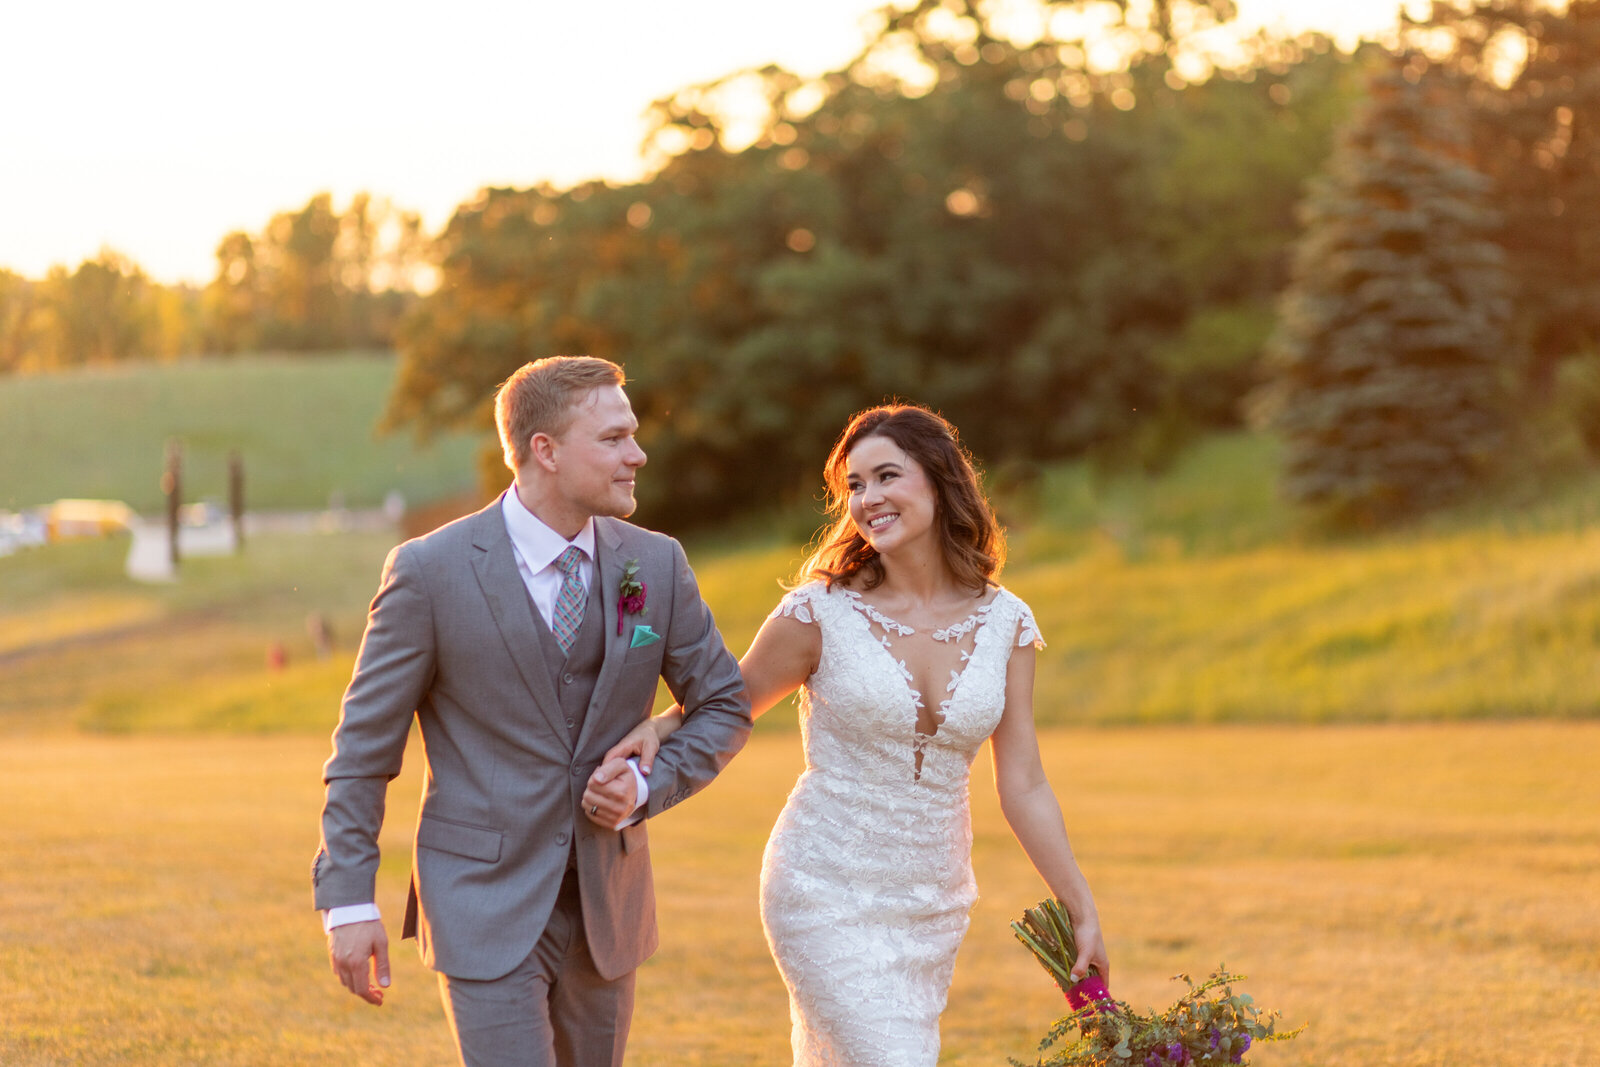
155,127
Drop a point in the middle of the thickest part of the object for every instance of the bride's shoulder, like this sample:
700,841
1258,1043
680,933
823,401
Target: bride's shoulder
999,596
802,601
1016,608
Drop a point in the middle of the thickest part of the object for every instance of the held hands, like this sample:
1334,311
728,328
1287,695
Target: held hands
611,793
642,742
350,947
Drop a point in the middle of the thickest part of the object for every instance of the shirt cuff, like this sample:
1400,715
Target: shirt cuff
642,793
349,913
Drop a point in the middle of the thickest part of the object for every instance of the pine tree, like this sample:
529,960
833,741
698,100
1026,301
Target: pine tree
1536,132
1385,376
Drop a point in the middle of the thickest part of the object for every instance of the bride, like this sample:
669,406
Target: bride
909,656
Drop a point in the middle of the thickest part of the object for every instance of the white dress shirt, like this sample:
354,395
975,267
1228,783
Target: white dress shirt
535,547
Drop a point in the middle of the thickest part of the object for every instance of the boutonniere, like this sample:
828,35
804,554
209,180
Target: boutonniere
630,593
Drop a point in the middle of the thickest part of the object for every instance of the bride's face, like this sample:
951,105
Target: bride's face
891,499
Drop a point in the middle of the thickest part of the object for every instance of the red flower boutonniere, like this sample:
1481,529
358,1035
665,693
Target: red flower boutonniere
630,593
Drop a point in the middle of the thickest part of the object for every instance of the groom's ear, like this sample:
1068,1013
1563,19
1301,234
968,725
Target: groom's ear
542,450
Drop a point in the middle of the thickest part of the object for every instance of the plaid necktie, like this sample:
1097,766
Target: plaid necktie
568,615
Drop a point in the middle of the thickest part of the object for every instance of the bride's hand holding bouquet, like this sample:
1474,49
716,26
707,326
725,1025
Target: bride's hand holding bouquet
1210,1024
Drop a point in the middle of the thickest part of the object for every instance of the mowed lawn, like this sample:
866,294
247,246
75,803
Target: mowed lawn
1418,894
304,427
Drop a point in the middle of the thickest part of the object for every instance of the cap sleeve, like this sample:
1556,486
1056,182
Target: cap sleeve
1027,628
797,604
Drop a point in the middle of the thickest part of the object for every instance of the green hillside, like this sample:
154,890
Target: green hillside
1189,597
303,425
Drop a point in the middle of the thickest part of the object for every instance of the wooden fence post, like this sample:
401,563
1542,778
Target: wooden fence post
172,486
236,498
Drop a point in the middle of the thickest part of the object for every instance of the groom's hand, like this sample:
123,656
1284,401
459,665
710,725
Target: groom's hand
350,947
611,794
642,742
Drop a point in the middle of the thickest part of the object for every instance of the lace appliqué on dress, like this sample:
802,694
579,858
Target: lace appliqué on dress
866,884
1028,630
875,615
965,626
796,604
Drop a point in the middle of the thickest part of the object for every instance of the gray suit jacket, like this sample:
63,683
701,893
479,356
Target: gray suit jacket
451,640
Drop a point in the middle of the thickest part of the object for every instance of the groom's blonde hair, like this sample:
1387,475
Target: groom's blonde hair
540,397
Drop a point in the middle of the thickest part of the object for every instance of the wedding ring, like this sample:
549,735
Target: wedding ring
594,809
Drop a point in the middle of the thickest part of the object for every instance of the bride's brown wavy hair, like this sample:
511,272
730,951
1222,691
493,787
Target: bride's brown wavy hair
973,544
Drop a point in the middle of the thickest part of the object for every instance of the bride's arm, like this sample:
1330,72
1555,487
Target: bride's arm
1029,805
783,655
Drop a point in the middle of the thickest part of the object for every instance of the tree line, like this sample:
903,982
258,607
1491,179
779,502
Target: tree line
1064,257
1389,257
312,279
1076,241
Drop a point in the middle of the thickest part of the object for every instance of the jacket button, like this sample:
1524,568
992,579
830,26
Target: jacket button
561,839
566,679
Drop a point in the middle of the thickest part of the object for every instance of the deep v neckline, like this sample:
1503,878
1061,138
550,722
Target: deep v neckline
976,621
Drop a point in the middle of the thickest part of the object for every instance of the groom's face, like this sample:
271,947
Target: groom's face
597,457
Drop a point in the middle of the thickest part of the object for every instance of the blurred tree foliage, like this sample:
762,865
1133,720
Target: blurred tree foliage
1533,68
1387,367
314,279
17,301
105,311
1066,224
1063,254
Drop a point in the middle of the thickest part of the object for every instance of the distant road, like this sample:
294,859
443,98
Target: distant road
149,559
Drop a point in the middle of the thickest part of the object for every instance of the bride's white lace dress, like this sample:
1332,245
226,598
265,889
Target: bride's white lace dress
867,879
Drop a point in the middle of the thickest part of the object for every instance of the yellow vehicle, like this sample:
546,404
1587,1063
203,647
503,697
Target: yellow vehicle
68,519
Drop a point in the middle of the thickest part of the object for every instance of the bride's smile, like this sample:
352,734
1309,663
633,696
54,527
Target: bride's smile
891,498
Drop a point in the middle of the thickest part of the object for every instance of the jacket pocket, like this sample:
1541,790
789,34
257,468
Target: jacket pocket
633,837
459,838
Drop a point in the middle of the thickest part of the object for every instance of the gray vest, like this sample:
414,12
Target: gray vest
574,673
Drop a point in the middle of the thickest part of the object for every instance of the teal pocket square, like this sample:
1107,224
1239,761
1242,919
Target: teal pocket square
643,635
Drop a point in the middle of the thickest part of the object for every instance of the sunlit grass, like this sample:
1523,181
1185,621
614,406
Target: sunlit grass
1457,626
304,427
1458,623
1418,891
192,655
1418,894
74,617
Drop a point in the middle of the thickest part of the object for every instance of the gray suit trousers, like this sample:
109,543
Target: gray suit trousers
553,1010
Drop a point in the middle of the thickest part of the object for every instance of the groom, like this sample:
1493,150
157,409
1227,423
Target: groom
526,640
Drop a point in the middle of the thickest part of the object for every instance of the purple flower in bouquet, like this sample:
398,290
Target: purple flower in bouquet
1207,1023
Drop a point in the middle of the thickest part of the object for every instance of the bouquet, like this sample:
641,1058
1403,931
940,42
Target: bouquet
1210,1024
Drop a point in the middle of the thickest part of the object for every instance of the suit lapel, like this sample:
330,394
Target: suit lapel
608,573
495,565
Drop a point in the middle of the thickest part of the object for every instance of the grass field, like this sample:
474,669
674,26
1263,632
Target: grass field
304,427
1358,769
1462,624
1418,894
